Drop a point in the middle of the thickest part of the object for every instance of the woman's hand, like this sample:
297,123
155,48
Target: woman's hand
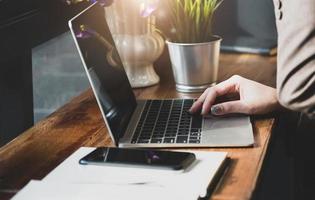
254,98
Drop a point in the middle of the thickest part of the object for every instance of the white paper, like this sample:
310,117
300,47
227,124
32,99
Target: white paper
71,176
39,190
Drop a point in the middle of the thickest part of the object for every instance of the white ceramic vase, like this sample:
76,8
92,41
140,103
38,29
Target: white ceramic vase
137,43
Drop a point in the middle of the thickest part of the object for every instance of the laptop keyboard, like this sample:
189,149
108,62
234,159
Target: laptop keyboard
167,121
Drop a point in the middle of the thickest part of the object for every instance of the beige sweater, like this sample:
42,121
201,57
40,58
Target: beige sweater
296,54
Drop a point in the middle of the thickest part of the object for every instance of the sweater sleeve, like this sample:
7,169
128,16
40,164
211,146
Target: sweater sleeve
296,54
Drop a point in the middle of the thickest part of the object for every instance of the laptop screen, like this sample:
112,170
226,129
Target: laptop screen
104,68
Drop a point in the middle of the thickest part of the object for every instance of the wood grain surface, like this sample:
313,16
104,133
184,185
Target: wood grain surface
40,149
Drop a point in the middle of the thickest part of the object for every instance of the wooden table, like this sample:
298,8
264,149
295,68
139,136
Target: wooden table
79,123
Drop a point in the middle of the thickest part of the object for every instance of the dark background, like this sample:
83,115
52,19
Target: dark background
24,24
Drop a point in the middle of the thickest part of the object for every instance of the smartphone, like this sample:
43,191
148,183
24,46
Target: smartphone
139,158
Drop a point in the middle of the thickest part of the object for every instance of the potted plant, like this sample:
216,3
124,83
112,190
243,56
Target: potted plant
193,49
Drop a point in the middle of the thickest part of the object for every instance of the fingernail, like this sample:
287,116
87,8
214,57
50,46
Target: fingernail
191,109
216,110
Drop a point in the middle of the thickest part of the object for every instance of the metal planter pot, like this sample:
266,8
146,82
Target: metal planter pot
195,65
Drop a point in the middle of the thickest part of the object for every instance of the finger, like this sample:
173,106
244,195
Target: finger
206,100
209,100
229,107
197,105
228,86
223,88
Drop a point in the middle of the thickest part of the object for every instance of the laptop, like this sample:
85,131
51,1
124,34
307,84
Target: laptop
144,123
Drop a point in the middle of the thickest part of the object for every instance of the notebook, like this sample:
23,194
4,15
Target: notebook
73,181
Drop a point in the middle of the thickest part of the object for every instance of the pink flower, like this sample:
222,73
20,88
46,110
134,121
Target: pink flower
103,3
85,32
149,8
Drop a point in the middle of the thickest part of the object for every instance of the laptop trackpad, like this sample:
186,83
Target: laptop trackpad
233,130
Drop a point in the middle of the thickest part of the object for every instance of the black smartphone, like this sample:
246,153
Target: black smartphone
139,157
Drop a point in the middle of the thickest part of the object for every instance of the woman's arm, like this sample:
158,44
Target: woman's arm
295,70
296,54
254,98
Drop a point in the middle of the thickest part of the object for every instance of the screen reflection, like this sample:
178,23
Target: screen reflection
105,69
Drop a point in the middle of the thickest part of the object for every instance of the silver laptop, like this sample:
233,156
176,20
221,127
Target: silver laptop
144,123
